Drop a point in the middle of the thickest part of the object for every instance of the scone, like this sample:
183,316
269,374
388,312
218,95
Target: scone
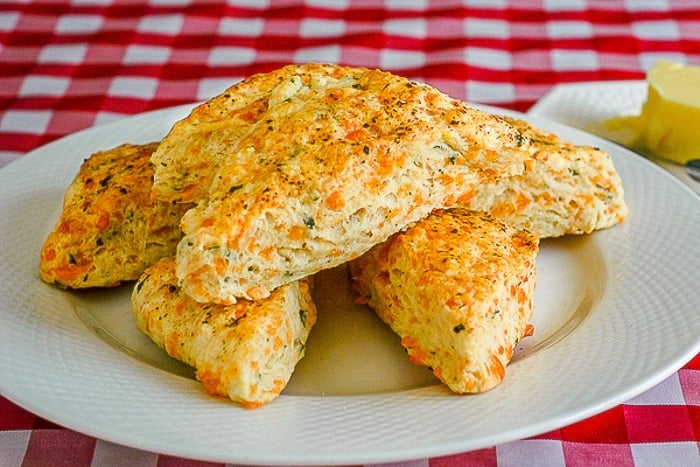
246,351
110,229
346,159
458,289
565,189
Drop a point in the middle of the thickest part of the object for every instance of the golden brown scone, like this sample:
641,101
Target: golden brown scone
347,158
246,351
458,289
110,230
565,189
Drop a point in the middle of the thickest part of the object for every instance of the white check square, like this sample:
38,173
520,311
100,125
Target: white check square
69,54
162,24
33,122
249,27
34,85
78,24
151,54
225,55
130,86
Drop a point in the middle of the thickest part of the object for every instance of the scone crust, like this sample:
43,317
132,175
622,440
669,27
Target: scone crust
246,352
458,289
110,229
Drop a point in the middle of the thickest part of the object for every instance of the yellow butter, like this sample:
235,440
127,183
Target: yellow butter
669,125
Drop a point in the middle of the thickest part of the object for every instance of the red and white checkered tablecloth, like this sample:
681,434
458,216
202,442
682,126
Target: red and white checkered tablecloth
68,65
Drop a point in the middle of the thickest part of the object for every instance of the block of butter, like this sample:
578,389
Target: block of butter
669,125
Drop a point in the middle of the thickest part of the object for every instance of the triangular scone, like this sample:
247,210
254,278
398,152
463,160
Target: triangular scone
565,189
340,164
110,229
458,289
246,351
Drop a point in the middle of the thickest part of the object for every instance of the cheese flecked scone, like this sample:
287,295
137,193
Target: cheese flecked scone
347,158
110,229
565,189
246,352
458,289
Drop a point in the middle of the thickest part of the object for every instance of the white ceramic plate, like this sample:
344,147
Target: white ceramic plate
616,313
589,105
